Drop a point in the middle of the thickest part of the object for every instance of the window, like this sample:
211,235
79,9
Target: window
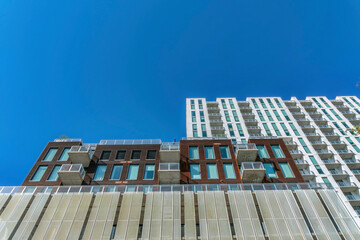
285,168
64,155
193,116
269,115
203,130
285,115
294,129
99,173
241,132
260,115
223,103
327,114
136,154
236,118
200,104
224,151
270,103
339,128
231,130
195,171
229,171
336,115
212,171
116,172
231,104
262,151
277,151
276,129
54,174
209,152
262,103
50,154
268,132
193,152
202,119
195,133
307,150
270,170
132,172
149,171
351,105
327,182
192,104
151,154
277,115
227,116
285,129
323,100
254,102
105,155
39,173
278,103
120,155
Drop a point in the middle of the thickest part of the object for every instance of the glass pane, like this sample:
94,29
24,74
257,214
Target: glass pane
100,172
54,174
105,155
285,168
135,154
133,172
193,152
149,172
224,151
212,171
120,154
229,170
277,151
270,171
50,154
209,152
151,154
262,151
64,155
116,172
195,171
39,173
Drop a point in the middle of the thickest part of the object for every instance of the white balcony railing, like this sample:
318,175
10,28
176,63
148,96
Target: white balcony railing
130,142
73,168
170,146
169,167
252,166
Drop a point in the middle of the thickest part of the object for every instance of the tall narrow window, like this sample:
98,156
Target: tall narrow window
262,151
326,104
193,116
116,172
195,171
269,115
99,173
335,114
241,132
50,154
193,152
132,172
64,155
287,133
231,130
327,115
223,103
339,128
236,118
278,103
262,103
195,133
192,102
268,132
254,102
270,170
54,174
270,103
277,151
232,106
351,105
212,171
277,115
39,173
229,171
316,101
202,118
200,104
227,115
209,152
307,150
260,115
357,103
294,129
285,115
149,171
327,182
224,151
203,130
276,129
286,170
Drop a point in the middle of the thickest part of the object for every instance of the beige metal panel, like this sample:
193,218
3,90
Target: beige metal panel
245,218
189,216
147,215
12,214
31,217
340,214
3,199
314,211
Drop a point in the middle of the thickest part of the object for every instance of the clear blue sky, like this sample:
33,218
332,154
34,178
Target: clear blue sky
122,69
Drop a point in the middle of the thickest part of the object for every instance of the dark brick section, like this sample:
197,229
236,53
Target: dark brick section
288,158
185,162
51,164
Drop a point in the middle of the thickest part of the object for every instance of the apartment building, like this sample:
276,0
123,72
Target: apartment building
314,130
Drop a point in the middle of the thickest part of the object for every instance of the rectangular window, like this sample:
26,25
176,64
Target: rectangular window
260,115
229,171
294,129
193,116
276,129
231,130
262,103
100,172
336,115
202,119
277,115
327,182
54,174
270,103
277,151
285,115
200,104
50,154
241,132
269,115
149,171
193,152
135,155
313,160
39,173
262,151
195,171
227,116
203,130
64,155
195,133
209,152
132,172
212,171
116,172
318,168
151,154
285,129
224,151
235,116
323,100
270,170
278,103
120,155
105,155
231,104
223,103
268,132
254,102
327,114
285,168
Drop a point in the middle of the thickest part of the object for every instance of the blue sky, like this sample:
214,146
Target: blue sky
122,69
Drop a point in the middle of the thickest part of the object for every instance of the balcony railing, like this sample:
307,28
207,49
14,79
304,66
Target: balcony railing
73,168
255,135
343,151
67,140
251,165
215,120
170,146
217,128
324,126
250,114
290,143
323,151
250,120
214,114
295,151
306,126
130,142
302,119
80,148
297,161
337,172
253,127
319,119
213,108
296,106
243,107
355,171
330,161
245,146
306,172
346,184
317,142
330,134
311,134
353,197
337,142
169,167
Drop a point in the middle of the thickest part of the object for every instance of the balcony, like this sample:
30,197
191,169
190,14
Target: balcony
213,110
216,122
307,128
301,164
354,120
356,173
348,114
71,174
324,153
310,108
342,108
337,102
354,199
214,115
331,163
246,152
217,129
298,114
338,144
331,136
252,172
338,174
212,104
307,175
293,109
253,129
290,103
325,128
352,163
345,153
302,121
347,186
169,173
318,144
315,114
245,109
219,136
305,102
243,104
80,155
291,145
170,152
320,121
251,122
248,115
296,154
